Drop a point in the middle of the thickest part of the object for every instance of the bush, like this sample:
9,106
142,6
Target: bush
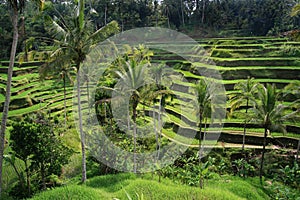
278,191
293,35
290,175
220,53
289,51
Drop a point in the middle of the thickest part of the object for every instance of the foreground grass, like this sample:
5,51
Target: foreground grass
118,186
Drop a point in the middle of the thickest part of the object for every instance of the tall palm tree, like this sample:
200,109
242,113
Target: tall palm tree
132,77
245,91
16,7
294,90
203,105
162,93
270,114
74,41
59,66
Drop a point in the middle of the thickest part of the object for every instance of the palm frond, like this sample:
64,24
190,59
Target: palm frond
295,10
103,33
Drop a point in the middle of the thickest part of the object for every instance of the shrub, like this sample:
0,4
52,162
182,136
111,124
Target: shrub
220,53
278,191
289,51
243,167
290,175
293,35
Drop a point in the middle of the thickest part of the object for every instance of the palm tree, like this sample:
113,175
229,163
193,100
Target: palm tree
245,91
294,90
16,6
132,77
295,10
270,114
203,104
59,67
74,41
162,92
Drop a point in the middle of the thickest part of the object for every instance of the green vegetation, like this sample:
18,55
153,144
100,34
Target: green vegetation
254,46
121,185
178,114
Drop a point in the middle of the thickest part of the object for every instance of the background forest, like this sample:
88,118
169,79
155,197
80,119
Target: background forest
217,18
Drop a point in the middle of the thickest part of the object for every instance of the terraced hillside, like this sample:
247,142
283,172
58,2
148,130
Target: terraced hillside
30,94
268,60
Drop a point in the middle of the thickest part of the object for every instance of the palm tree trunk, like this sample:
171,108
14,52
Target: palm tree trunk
167,12
204,136
244,138
105,14
263,155
159,127
8,89
128,121
203,12
298,148
182,13
134,140
201,181
200,130
43,174
155,131
27,177
245,124
88,93
82,135
65,104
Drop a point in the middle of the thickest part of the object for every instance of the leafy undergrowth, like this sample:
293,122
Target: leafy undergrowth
123,185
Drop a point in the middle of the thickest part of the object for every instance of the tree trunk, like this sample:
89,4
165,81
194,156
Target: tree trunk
203,12
23,36
182,13
201,182
105,15
298,149
82,135
128,121
200,130
65,104
245,124
167,12
27,177
8,89
204,136
43,174
159,127
88,93
155,130
262,156
134,139
244,138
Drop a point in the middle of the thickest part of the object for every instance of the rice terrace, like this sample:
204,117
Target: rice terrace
207,108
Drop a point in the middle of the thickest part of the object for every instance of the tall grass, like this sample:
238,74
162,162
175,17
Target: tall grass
123,186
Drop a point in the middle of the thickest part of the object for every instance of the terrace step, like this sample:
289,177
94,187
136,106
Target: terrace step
272,73
23,64
254,62
227,137
19,71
